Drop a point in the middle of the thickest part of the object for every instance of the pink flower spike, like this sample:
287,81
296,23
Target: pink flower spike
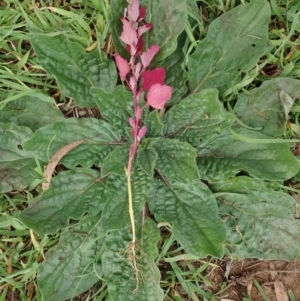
142,29
129,35
148,55
134,10
123,66
158,95
152,77
142,132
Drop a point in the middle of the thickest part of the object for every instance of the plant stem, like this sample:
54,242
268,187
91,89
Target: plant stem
130,203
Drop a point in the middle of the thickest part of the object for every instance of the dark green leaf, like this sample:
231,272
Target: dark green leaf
192,211
116,161
33,111
223,156
117,11
176,160
176,76
261,222
98,136
266,108
16,165
235,41
75,70
124,283
115,214
71,194
70,267
197,117
115,106
154,124
167,17
146,159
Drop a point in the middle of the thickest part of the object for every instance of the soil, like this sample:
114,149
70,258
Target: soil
276,278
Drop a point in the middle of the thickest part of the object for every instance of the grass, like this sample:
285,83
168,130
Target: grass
88,22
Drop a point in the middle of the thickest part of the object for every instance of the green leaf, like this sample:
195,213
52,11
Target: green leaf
266,107
75,70
122,280
115,106
70,267
116,161
33,111
197,117
176,160
16,165
115,212
192,211
224,156
176,76
71,194
154,124
167,17
146,159
234,43
261,222
98,136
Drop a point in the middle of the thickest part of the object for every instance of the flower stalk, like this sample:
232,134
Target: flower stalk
147,86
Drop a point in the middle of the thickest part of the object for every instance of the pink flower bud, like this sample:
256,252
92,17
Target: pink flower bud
142,29
129,35
132,83
134,10
131,122
123,66
142,132
138,68
148,55
142,13
158,95
152,77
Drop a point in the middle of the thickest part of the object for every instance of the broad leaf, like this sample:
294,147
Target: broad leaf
146,155
265,108
33,111
71,194
146,159
234,43
192,211
223,156
176,76
167,17
75,70
115,107
116,161
98,136
176,160
124,283
115,213
154,124
197,117
16,165
70,267
261,222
